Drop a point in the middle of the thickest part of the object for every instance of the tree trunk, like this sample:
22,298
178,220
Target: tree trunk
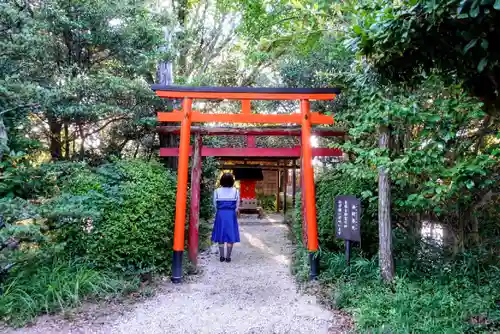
55,127
3,138
474,239
164,75
386,261
460,243
182,13
66,141
137,149
82,144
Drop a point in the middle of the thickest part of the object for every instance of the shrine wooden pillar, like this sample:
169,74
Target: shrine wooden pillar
294,185
278,191
310,196
285,185
194,217
181,198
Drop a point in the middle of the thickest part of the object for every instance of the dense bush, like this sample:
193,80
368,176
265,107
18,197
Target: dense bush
433,293
328,186
332,184
267,202
461,299
97,225
121,218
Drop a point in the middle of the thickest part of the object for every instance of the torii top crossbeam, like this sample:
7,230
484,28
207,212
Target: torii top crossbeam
245,94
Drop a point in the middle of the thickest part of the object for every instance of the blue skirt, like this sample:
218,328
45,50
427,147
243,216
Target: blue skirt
226,223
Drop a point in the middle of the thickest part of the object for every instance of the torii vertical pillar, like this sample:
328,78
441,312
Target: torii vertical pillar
182,181
310,196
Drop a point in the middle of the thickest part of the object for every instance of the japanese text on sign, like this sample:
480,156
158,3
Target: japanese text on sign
347,218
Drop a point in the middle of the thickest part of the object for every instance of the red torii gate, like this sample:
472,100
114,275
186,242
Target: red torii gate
245,94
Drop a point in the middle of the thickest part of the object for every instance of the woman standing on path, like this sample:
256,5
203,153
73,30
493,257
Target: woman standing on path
226,203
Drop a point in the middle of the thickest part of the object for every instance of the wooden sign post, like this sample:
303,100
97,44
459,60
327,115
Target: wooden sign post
347,221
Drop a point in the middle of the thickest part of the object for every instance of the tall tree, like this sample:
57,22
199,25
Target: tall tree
91,60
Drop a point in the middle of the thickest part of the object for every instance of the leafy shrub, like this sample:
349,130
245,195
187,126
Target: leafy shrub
125,219
328,186
463,298
29,182
98,226
268,202
118,216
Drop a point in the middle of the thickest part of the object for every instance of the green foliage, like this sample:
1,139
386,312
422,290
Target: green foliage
428,296
404,38
53,287
267,202
443,163
138,228
100,226
210,170
334,183
81,68
329,185
32,182
121,217
447,302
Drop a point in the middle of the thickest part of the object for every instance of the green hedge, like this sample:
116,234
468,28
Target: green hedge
118,216
328,186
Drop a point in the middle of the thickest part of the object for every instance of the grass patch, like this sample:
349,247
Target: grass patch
56,287
458,301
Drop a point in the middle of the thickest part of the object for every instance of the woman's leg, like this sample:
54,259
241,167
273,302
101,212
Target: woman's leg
229,250
221,251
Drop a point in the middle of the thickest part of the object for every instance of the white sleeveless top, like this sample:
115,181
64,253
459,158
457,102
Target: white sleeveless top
226,194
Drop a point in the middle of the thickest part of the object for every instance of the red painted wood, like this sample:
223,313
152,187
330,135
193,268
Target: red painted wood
255,131
284,152
246,107
182,177
194,217
250,141
198,117
285,186
308,171
303,202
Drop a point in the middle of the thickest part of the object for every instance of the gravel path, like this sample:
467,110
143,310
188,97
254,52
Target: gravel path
255,293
